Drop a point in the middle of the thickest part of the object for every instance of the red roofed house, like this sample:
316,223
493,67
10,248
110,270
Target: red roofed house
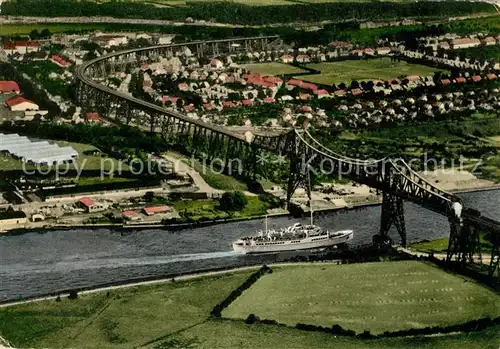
131,215
304,96
188,108
309,86
21,47
303,58
247,102
151,211
357,52
339,93
460,80
228,104
19,103
207,106
183,86
269,100
60,61
446,81
340,44
369,51
273,79
491,76
356,92
294,82
321,93
93,118
9,87
476,78
286,59
305,108
90,205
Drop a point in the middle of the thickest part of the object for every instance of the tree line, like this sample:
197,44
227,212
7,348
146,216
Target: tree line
240,13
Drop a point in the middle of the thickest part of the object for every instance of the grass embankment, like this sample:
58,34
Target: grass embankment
369,69
176,315
127,318
213,178
208,209
372,296
441,246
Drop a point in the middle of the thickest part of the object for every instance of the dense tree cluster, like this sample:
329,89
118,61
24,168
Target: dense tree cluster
233,201
240,13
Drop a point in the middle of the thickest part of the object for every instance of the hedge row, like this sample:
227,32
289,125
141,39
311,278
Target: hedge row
217,310
470,326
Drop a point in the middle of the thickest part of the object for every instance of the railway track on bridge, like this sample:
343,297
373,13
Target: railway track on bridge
394,178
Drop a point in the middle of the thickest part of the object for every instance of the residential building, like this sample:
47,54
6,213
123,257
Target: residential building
465,43
151,211
60,61
21,47
131,215
90,205
488,41
19,103
9,87
383,50
303,58
93,118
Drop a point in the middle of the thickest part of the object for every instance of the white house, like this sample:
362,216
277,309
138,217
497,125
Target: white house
19,103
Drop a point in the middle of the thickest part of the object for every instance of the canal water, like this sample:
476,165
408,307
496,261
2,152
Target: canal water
40,263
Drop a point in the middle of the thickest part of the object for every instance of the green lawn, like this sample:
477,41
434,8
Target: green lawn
213,178
232,335
197,209
375,296
127,318
441,246
176,315
272,68
369,69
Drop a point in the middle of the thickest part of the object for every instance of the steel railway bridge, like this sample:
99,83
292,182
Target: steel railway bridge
394,178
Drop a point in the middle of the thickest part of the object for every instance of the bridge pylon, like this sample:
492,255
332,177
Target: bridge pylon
463,243
392,214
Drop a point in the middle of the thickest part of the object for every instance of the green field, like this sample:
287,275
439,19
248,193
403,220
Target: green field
372,296
237,335
213,178
360,70
272,68
176,315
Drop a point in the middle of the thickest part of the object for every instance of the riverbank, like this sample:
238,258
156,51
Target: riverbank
206,223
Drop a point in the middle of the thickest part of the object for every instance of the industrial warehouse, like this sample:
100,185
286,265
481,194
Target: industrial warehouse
36,152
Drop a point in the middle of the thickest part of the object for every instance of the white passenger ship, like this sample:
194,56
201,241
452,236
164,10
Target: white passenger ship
296,237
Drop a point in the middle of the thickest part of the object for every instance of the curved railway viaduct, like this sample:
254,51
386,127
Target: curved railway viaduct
394,178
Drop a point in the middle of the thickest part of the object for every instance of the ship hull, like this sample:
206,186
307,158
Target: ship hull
310,243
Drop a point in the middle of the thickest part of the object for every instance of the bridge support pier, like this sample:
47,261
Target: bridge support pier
464,242
392,214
